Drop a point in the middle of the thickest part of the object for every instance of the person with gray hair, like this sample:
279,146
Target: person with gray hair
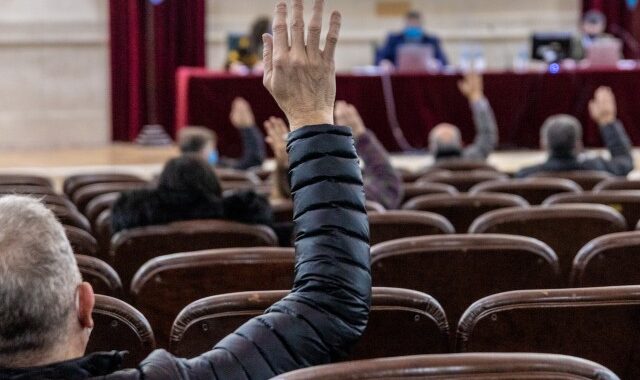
46,317
46,308
445,140
561,137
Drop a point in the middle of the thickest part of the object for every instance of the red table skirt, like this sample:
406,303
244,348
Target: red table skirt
521,102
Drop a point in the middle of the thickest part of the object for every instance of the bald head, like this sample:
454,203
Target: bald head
445,140
561,136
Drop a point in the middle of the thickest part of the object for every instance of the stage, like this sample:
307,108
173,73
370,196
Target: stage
522,101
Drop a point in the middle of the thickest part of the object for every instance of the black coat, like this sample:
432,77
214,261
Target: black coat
319,320
139,208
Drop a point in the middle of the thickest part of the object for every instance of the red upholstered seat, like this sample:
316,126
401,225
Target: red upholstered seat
586,179
73,183
402,322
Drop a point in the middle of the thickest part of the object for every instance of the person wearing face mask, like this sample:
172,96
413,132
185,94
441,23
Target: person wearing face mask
593,28
413,33
204,142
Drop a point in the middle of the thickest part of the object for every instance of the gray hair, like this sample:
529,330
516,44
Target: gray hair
38,279
445,137
561,135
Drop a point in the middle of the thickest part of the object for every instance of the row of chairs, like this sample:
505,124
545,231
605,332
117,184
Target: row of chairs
598,324
456,269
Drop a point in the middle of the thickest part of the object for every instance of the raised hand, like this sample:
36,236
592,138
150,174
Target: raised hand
603,108
301,77
277,132
472,86
241,114
347,115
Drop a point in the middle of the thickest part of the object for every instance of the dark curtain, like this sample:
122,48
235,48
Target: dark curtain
623,22
143,94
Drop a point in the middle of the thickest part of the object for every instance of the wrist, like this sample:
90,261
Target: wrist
475,98
314,118
603,122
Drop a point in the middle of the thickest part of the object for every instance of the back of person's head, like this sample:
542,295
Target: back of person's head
197,140
39,288
189,177
562,136
445,141
259,27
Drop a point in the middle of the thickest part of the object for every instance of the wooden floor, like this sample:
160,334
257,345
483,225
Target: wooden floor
148,161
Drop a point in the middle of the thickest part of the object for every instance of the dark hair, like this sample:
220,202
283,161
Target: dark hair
562,134
259,27
193,144
413,15
191,177
594,16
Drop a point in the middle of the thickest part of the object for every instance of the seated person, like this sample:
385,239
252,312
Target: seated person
46,316
561,137
594,25
445,140
413,33
204,142
188,189
382,183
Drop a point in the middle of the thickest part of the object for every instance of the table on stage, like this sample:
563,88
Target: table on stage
521,102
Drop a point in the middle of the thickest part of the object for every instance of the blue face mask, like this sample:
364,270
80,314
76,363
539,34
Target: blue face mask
214,157
413,33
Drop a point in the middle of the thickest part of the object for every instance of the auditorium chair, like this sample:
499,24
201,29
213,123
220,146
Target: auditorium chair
282,210
413,190
31,190
586,179
410,176
83,195
565,228
608,260
401,322
391,225
533,190
100,275
462,165
598,324
118,326
262,173
494,366
165,285
103,233
81,241
70,216
239,176
617,183
627,202
462,209
460,269
73,183
463,181
132,248
98,204
24,180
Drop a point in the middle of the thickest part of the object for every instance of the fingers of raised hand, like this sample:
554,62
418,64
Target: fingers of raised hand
332,37
297,27
280,30
315,28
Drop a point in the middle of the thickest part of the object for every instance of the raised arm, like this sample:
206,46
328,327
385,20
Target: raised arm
382,183
328,307
253,150
486,139
603,110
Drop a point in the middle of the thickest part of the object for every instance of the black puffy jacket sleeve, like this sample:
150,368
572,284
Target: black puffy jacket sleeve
327,310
